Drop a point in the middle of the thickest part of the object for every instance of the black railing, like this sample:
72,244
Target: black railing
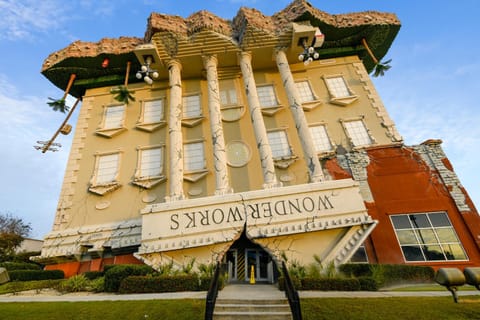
212,293
291,294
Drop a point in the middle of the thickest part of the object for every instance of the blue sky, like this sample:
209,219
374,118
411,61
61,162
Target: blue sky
429,92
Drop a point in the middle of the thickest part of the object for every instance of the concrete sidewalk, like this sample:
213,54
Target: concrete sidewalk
233,291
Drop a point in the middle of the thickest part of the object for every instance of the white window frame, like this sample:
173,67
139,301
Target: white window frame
109,131
194,116
274,105
148,124
422,243
101,187
200,164
305,91
352,135
283,145
325,138
149,180
232,109
346,97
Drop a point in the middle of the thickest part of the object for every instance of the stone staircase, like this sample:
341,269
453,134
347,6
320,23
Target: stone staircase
251,302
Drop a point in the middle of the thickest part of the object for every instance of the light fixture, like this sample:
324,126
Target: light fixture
146,72
309,51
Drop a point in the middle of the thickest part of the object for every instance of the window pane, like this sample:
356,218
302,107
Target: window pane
107,168
194,156
446,235
266,96
191,106
401,222
228,97
413,253
433,252
338,87
407,237
359,256
358,133
427,236
454,252
279,144
320,139
439,219
304,91
114,117
419,221
151,162
153,111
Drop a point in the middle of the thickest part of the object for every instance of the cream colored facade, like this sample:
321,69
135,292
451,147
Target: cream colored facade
278,193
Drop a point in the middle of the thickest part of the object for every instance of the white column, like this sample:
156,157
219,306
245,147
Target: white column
266,158
220,157
175,132
309,153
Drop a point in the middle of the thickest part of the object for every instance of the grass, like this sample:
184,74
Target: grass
411,308
106,310
430,287
17,286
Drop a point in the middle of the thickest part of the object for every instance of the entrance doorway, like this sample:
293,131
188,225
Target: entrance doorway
246,259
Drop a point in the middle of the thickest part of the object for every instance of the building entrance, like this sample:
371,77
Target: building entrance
245,259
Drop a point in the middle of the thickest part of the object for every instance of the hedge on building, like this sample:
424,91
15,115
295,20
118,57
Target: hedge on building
10,266
332,284
31,275
386,274
114,275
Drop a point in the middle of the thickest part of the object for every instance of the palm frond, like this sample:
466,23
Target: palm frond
381,67
122,94
58,105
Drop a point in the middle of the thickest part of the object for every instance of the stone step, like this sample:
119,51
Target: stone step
242,315
252,308
252,301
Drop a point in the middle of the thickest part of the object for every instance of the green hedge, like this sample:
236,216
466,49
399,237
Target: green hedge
149,284
114,275
368,284
10,266
92,275
386,274
30,275
331,284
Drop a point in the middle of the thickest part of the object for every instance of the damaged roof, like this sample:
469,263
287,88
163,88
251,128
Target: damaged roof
343,34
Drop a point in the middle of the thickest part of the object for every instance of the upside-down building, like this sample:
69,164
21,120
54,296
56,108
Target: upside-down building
248,141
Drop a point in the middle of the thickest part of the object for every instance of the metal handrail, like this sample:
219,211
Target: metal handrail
292,294
212,294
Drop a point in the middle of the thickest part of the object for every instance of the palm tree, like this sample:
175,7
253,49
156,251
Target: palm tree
380,67
122,94
60,104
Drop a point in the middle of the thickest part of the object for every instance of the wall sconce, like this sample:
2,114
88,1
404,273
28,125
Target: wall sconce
146,72
309,52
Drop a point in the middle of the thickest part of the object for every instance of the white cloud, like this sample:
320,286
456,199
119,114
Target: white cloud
20,20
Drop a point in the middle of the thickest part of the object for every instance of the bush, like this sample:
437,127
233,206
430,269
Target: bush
149,284
97,285
91,275
74,284
296,283
368,284
10,266
29,275
114,275
331,284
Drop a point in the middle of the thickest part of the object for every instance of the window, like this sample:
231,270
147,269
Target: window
231,108
266,96
192,106
105,177
228,97
114,117
279,144
427,237
194,156
320,138
149,167
305,91
339,91
357,132
360,256
153,111
107,168
337,87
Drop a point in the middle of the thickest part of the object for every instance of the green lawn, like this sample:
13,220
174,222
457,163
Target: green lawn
441,308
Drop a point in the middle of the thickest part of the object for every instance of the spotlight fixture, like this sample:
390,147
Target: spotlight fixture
309,52
146,72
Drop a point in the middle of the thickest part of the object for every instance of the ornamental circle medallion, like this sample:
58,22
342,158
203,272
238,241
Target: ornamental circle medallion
238,154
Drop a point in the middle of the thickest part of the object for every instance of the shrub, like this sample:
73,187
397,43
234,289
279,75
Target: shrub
355,269
29,275
331,284
297,283
368,284
74,284
149,284
97,285
115,275
10,266
91,275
